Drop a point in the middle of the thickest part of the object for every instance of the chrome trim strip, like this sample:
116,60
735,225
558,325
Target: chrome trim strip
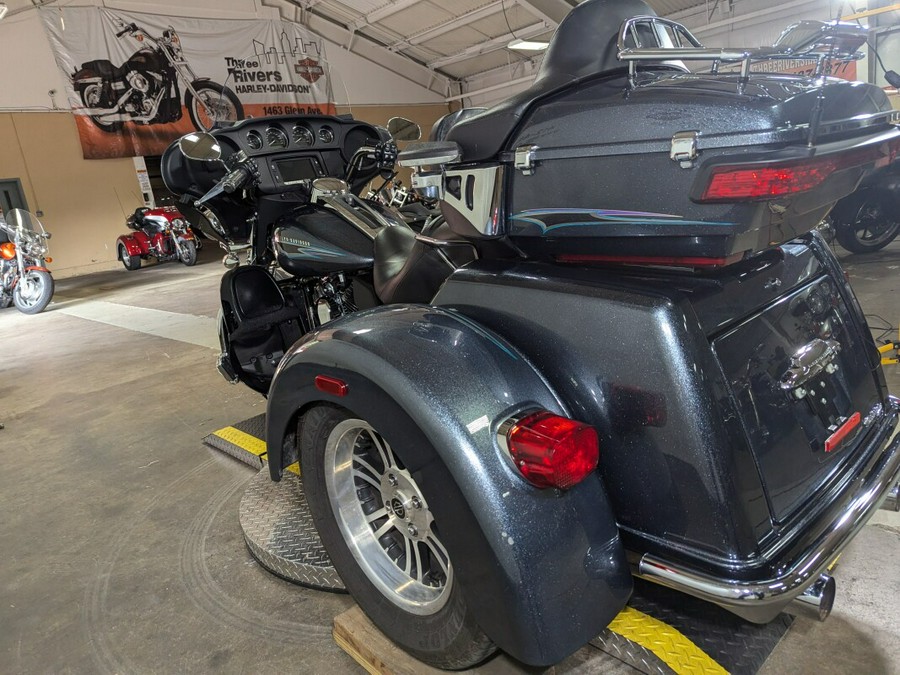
800,573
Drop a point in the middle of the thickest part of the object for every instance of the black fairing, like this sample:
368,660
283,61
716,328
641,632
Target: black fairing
312,243
703,454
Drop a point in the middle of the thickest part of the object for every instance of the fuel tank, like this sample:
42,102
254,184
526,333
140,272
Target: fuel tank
310,242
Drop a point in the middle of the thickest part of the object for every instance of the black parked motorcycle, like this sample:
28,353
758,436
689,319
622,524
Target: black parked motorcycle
869,219
624,353
145,88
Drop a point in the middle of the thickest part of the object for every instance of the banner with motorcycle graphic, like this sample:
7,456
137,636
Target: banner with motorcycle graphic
136,82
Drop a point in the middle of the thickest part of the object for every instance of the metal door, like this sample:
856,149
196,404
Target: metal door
11,197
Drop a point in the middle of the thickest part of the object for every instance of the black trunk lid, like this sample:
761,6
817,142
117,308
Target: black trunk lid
801,377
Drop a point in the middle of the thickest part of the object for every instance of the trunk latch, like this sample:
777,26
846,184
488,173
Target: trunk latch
684,148
810,360
526,159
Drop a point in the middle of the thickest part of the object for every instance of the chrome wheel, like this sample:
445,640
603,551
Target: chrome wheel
33,292
384,519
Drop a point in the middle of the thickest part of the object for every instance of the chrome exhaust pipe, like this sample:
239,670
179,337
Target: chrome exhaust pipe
817,600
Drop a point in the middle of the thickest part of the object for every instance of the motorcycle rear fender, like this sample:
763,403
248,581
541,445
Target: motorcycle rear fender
543,571
132,244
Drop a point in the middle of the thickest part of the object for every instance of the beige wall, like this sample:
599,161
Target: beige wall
85,202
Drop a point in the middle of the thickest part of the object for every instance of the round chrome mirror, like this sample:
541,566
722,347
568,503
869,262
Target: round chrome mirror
199,145
402,129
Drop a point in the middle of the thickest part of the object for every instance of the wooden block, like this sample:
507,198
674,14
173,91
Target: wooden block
356,635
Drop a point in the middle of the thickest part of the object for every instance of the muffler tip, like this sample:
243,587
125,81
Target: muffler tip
818,599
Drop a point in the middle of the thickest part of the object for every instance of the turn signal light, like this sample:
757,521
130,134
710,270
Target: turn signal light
553,451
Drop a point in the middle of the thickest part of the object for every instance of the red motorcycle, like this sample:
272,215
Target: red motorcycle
163,234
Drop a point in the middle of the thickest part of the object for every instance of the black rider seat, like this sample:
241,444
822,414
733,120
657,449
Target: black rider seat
409,270
580,47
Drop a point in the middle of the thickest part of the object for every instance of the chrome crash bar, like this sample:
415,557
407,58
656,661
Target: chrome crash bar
761,600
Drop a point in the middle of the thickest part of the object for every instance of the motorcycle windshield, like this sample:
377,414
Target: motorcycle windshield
25,226
19,219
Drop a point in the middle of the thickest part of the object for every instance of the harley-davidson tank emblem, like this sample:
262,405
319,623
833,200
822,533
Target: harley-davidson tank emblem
309,70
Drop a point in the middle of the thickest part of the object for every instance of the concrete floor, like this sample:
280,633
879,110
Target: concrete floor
121,549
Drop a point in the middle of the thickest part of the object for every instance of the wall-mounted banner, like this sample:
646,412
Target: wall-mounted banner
136,82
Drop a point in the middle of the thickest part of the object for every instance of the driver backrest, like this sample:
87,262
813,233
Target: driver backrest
586,41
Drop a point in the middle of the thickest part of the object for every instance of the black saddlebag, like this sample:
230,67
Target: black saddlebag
682,167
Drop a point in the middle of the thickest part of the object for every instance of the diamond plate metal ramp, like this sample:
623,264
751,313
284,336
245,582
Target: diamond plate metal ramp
279,532
245,441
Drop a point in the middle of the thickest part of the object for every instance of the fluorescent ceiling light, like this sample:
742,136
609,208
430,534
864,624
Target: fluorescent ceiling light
3,9
528,45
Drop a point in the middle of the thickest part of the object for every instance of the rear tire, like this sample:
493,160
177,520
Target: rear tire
188,253
375,524
130,262
33,292
867,224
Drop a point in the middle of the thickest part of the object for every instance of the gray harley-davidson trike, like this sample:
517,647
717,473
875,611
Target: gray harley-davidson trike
623,352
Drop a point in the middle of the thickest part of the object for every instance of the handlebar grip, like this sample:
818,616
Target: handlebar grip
130,28
236,180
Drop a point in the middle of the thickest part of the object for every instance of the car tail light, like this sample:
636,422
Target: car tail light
552,451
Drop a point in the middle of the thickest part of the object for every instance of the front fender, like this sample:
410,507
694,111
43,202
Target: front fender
543,571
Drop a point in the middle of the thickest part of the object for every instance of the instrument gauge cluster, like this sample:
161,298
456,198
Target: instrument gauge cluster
276,137
254,140
326,135
302,135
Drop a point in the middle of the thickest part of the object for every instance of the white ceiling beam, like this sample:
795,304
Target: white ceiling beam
551,11
527,79
400,64
491,45
382,13
460,21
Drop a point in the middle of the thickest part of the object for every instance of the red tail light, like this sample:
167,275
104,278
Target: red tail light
764,180
729,183
673,261
553,451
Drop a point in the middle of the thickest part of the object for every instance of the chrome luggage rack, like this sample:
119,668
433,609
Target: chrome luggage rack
651,38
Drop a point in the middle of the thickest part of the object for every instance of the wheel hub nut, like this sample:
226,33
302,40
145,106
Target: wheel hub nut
413,531
392,479
416,503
